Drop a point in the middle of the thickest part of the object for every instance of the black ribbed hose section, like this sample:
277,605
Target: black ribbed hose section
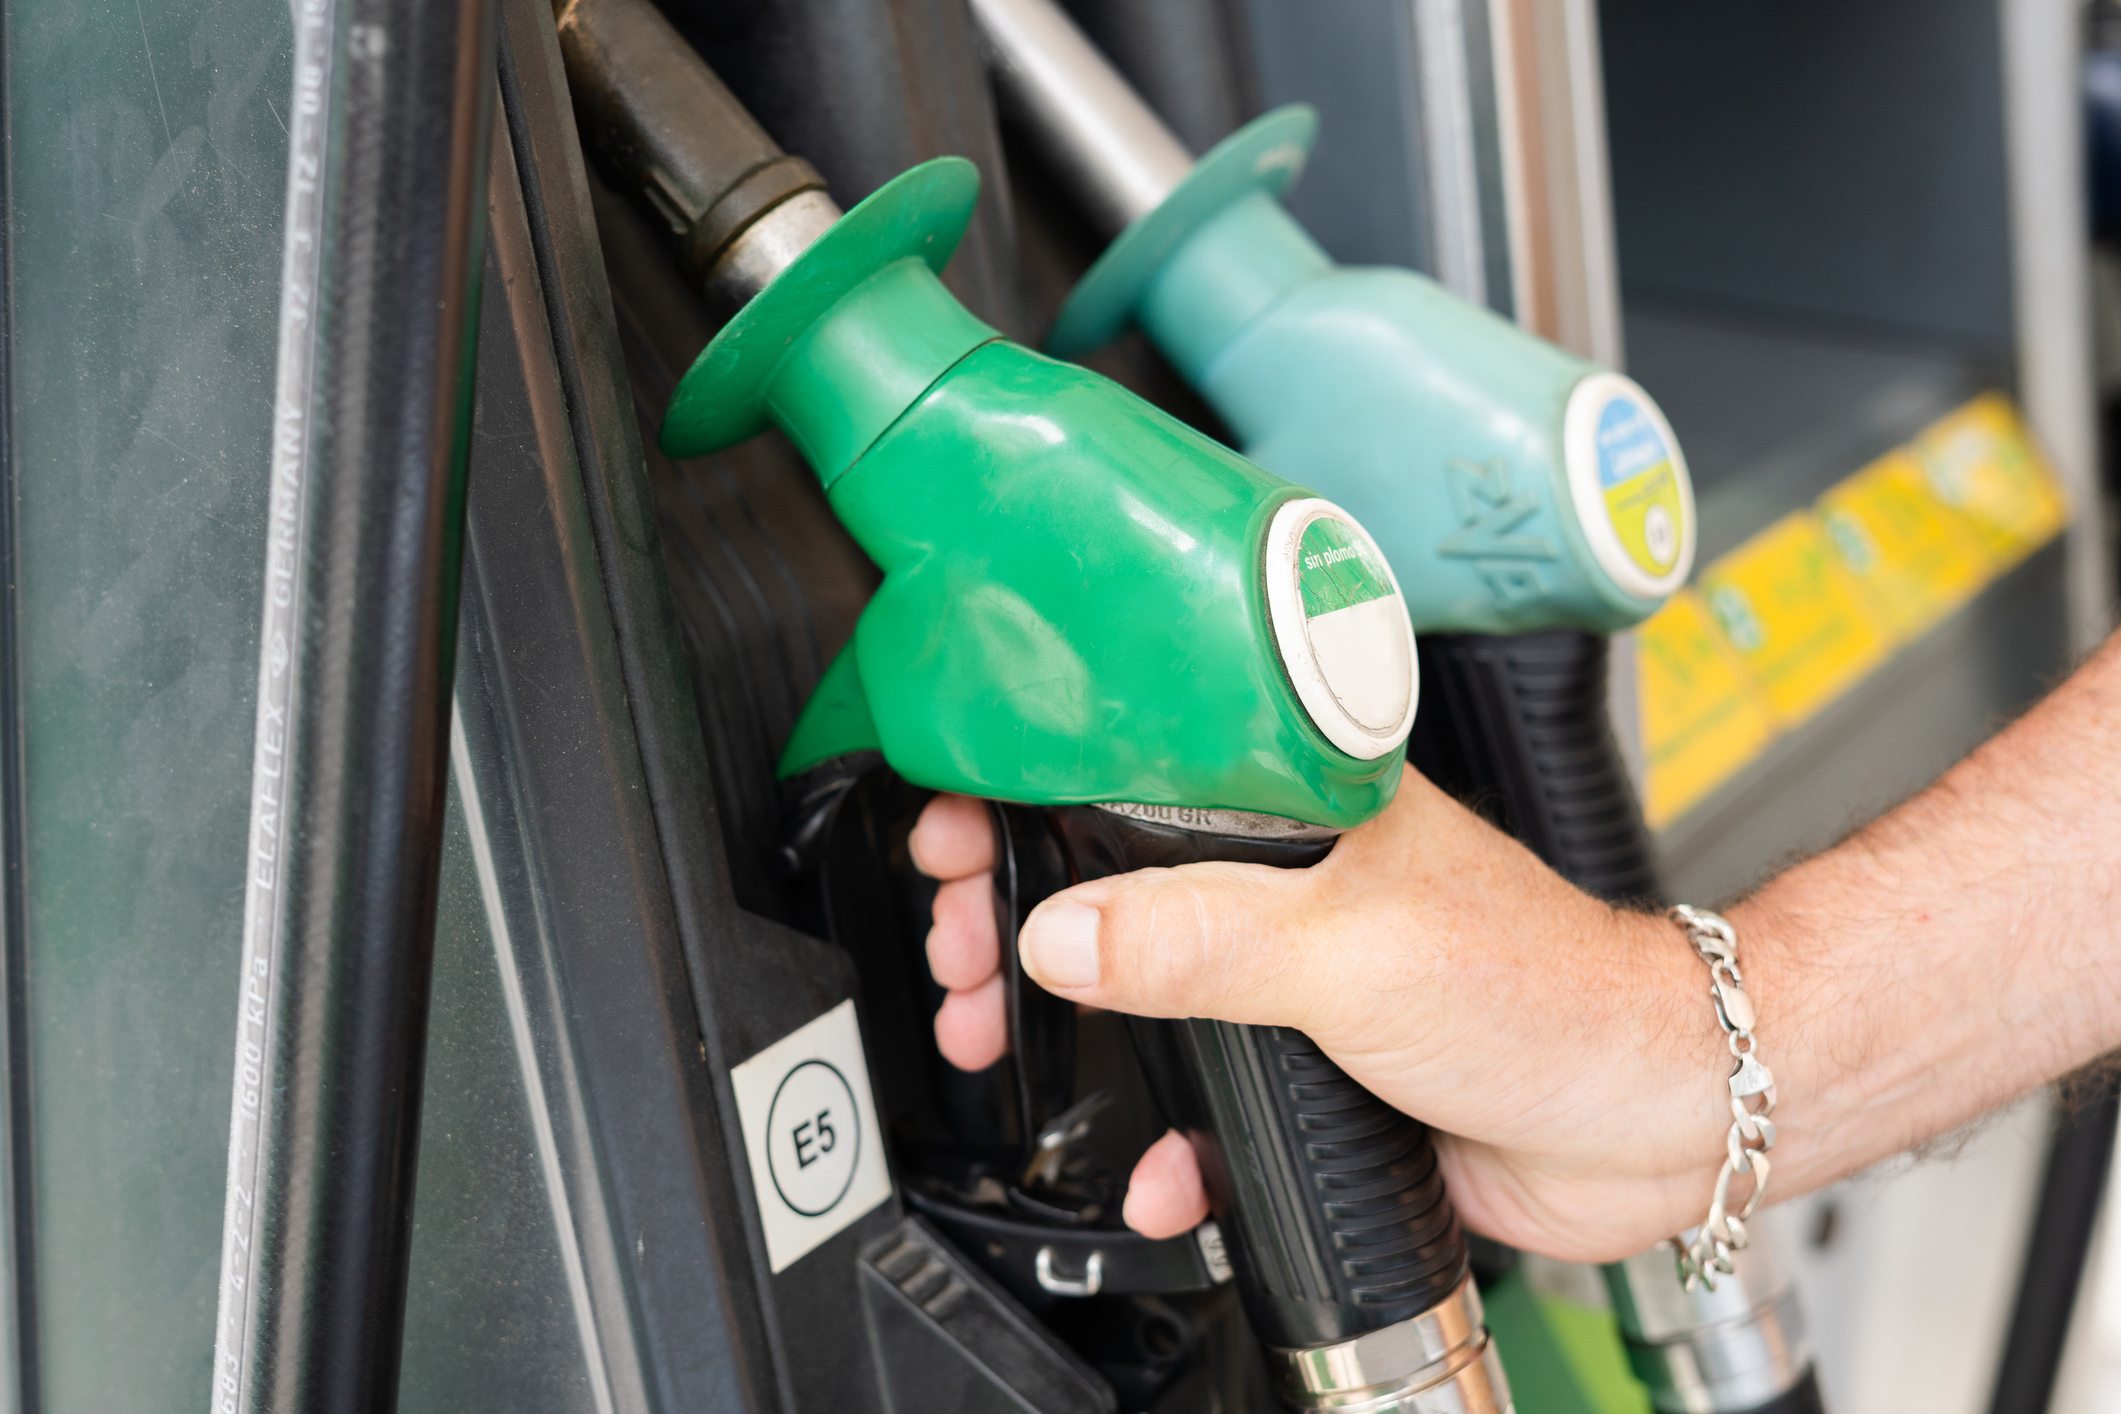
386,214
1519,726
1330,1201
1800,1398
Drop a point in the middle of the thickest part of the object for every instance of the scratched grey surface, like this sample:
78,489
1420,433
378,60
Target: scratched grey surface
149,170
493,1321
148,164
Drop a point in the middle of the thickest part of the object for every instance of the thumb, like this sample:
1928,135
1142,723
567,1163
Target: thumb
1217,940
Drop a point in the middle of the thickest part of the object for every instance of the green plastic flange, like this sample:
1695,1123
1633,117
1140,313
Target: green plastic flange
1266,155
724,397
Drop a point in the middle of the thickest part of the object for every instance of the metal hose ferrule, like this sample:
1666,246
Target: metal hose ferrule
668,131
1738,1347
1439,1362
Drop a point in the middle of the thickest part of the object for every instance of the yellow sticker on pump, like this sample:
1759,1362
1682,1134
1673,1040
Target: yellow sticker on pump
1794,616
1701,719
1914,557
1806,608
1983,463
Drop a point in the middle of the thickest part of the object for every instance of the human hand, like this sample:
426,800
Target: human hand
1563,1050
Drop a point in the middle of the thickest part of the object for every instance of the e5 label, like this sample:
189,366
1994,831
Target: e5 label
810,1132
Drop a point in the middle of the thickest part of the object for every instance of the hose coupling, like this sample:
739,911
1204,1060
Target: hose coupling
1739,1347
1439,1362
667,132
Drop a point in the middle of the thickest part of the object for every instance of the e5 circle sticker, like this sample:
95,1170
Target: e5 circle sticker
810,1132
813,1138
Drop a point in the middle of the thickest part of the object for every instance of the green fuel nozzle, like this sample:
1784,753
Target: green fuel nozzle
1513,486
1083,599
1085,606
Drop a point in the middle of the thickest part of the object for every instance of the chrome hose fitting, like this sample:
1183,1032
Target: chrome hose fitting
1440,1362
667,132
1738,1347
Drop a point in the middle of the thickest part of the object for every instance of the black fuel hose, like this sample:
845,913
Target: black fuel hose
2055,1255
386,215
1520,725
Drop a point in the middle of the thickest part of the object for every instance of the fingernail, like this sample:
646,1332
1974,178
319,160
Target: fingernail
1059,945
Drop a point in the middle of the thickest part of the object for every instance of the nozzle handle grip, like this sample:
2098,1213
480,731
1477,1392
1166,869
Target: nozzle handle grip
1330,1201
1521,723
1031,866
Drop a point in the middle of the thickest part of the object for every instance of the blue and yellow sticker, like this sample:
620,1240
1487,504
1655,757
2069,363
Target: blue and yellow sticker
1639,486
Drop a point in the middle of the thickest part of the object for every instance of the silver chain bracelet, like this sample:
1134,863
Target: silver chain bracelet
1752,1133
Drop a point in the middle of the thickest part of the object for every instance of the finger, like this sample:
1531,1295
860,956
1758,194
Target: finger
971,1028
1232,941
1165,1197
953,838
962,951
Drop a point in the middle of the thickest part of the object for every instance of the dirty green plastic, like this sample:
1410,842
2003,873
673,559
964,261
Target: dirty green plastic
1437,424
1072,608
835,385
1561,1358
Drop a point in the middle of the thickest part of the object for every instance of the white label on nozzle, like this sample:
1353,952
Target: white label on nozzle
1628,482
1342,628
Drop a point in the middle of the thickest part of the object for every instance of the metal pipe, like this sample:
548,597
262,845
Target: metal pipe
1111,148
384,233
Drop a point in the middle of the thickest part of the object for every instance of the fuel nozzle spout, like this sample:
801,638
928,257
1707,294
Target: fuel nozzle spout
738,209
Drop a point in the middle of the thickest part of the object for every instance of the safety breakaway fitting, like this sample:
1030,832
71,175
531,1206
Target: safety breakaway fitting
1752,1132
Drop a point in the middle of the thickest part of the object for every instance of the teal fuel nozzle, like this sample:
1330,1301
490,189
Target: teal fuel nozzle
1513,486
1083,600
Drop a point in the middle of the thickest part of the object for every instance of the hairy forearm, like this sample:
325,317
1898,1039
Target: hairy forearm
1956,953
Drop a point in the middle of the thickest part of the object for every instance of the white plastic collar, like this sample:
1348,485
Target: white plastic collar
1315,680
